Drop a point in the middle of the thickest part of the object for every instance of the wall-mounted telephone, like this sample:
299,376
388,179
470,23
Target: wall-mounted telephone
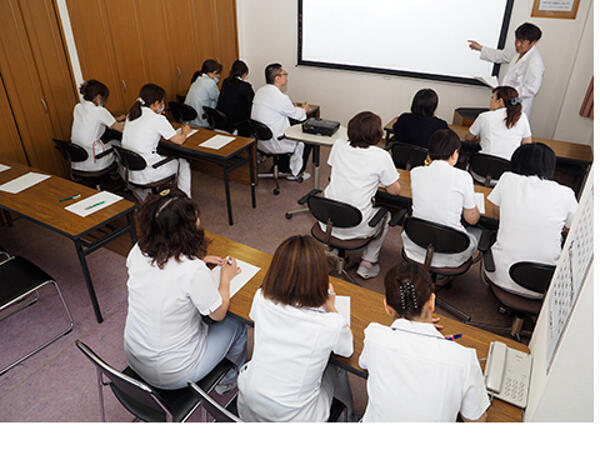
507,373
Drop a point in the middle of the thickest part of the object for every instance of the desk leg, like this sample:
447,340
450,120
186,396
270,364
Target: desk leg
131,225
317,165
8,218
251,163
227,195
88,281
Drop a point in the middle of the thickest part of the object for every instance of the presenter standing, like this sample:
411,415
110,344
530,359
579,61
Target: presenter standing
526,68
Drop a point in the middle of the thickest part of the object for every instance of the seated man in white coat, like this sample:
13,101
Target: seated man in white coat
275,109
526,68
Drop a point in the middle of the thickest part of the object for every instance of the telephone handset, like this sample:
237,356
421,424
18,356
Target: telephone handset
507,373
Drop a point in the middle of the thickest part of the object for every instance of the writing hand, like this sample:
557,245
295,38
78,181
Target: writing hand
214,260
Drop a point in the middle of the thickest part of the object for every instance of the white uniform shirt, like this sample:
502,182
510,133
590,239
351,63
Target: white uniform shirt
164,333
142,135
440,192
356,173
524,74
203,92
415,375
89,123
275,109
495,138
533,213
292,346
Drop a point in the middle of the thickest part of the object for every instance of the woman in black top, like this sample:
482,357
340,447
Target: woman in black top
236,98
417,126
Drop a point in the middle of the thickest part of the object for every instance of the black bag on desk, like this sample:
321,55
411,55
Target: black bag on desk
320,126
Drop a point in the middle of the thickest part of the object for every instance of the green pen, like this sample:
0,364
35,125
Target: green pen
73,197
94,205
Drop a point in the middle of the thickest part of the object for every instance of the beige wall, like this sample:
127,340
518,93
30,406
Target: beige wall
267,33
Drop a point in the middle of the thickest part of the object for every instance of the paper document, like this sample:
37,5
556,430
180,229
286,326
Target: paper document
23,182
94,203
3,167
491,81
342,304
480,202
216,142
238,282
193,132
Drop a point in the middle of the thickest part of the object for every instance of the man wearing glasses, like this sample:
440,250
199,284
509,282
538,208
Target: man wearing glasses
275,109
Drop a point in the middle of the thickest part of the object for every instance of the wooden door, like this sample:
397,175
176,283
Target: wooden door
25,93
11,148
93,40
226,43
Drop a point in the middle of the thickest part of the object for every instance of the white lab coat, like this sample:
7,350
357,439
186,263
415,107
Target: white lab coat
203,92
525,75
275,109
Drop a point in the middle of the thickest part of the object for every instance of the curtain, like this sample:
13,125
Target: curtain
587,107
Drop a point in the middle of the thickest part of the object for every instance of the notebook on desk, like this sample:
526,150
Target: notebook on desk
240,280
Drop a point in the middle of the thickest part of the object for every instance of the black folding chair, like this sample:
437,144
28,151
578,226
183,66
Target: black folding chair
228,413
406,156
74,153
217,120
488,167
181,112
263,133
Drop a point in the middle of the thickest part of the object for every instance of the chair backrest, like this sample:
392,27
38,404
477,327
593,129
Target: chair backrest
406,156
260,131
216,119
488,166
180,98
136,394
342,215
531,275
182,112
71,152
443,239
219,413
131,160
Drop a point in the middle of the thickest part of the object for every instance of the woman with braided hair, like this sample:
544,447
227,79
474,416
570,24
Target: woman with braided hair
415,373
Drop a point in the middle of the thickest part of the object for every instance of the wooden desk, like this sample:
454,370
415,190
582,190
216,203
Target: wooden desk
40,203
367,307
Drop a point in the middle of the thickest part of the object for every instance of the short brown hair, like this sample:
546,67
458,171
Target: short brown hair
298,274
407,288
168,228
442,144
364,129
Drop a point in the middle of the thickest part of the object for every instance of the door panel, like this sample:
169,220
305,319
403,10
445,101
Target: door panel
11,148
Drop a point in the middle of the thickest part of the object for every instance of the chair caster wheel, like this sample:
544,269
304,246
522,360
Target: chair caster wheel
275,191
288,216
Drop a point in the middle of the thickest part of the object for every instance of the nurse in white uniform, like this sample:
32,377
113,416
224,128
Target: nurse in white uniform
144,127
169,289
275,109
358,168
534,211
526,68
90,120
442,193
296,327
204,91
415,374
504,128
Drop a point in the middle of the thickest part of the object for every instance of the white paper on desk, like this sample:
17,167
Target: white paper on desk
480,202
342,304
216,142
193,132
3,167
238,282
79,207
491,81
23,182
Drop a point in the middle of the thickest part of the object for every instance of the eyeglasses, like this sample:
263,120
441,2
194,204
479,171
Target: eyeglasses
283,74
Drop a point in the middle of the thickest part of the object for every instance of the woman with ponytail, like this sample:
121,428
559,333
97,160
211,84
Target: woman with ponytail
204,91
236,98
144,127
90,119
415,373
504,128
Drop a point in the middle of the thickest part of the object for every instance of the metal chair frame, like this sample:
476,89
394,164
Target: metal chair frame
262,132
217,411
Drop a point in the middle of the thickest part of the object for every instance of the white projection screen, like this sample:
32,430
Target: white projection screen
416,38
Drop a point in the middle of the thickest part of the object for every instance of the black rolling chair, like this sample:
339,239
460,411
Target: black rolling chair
19,278
263,133
74,153
132,161
406,156
217,120
339,215
180,98
145,402
439,239
487,168
182,113
3,254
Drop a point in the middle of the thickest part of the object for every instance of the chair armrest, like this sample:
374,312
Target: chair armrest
305,198
281,138
162,162
398,217
380,214
104,153
485,247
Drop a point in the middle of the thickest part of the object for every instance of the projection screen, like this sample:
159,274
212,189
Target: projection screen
415,38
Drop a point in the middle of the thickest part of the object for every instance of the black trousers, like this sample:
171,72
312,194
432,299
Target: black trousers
284,160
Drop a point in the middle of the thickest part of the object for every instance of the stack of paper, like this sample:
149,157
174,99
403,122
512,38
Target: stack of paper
480,202
23,182
3,167
193,132
93,204
216,142
238,282
342,304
